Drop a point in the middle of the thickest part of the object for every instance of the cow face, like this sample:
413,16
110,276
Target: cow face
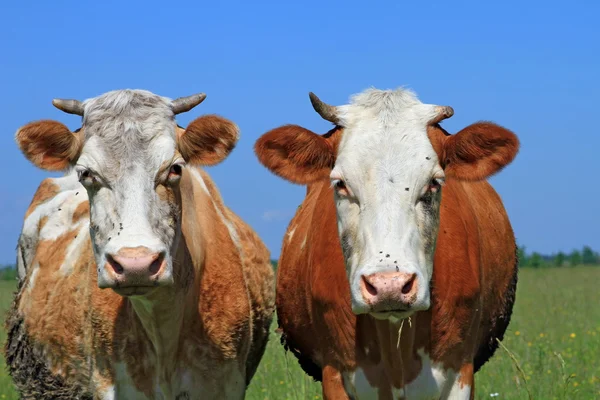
387,161
130,156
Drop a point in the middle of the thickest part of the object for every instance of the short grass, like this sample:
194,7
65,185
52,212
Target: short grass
552,347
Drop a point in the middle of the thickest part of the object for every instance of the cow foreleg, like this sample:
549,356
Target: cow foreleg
333,384
462,387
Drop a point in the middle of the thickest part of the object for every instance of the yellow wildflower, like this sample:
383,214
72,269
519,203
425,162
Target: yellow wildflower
517,333
572,335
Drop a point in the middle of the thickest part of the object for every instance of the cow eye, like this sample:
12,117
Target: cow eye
340,187
175,172
176,169
434,185
86,177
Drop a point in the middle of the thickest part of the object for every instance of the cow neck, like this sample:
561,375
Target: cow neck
394,347
162,312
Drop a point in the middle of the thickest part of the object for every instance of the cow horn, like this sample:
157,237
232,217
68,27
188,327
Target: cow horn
442,112
69,106
326,111
184,104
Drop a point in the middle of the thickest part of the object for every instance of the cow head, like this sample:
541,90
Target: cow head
387,160
130,155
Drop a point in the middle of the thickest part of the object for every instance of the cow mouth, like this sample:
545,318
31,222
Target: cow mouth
391,314
127,291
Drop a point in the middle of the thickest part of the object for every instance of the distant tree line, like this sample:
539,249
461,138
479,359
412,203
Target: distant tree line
585,256
8,273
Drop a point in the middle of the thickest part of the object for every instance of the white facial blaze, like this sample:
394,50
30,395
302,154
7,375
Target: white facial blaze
129,147
387,163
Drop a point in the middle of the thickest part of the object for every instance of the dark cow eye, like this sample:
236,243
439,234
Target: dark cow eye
434,186
176,169
340,187
86,177
175,173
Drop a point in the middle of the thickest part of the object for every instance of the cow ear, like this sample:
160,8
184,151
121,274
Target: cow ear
479,151
208,140
295,154
49,145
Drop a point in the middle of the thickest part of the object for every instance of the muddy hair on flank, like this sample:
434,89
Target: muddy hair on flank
26,364
499,322
307,365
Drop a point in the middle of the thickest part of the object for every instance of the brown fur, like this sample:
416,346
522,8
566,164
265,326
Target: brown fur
208,140
472,285
49,145
45,192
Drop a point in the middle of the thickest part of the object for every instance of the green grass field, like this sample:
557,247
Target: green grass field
554,337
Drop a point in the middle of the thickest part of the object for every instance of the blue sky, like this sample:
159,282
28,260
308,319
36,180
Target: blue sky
530,66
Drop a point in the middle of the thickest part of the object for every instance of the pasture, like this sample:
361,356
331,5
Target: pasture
552,346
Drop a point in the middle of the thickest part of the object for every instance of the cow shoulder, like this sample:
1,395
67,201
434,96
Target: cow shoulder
457,277
224,302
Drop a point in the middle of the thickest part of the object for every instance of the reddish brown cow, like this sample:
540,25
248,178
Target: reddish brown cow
388,288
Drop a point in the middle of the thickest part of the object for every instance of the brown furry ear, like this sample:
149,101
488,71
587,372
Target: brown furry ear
48,144
479,151
208,140
296,154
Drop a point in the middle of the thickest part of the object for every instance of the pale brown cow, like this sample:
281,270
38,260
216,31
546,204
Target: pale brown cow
191,291
366,299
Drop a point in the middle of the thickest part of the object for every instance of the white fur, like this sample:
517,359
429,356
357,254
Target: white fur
58,212
230,384
385,150
433,382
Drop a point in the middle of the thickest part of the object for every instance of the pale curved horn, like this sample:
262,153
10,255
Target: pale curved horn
326,111
442,112
69,106
184,104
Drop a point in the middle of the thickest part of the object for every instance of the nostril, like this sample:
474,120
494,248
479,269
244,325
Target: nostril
370,288
156,264
114,264
408,286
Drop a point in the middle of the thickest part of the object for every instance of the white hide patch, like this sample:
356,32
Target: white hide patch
432,383
59,213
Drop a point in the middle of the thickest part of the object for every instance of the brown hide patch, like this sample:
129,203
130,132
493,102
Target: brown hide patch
47,190
49,144
224,305
82,211
466,376
43,221
50,320
260,282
